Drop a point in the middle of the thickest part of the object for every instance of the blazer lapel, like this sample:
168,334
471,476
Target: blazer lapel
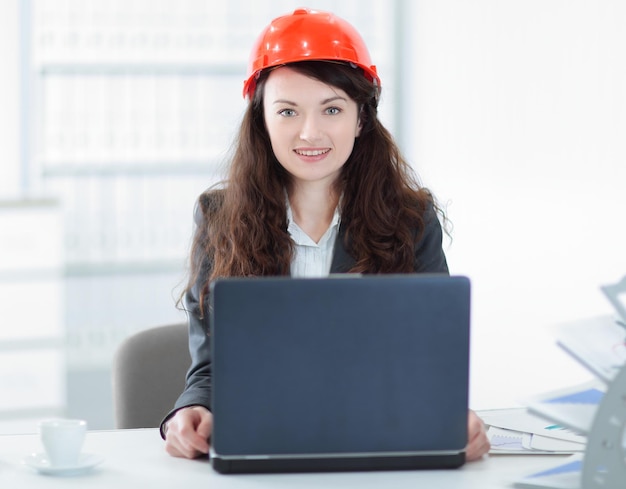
342,261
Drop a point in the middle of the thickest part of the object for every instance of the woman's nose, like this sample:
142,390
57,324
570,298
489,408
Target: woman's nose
310,129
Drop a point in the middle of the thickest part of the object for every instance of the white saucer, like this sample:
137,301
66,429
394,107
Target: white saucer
40,462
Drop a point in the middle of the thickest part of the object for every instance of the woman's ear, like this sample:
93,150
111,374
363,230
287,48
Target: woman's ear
359,123
362,120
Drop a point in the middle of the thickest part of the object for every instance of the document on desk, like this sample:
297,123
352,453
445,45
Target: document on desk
566,475
516,431
571,407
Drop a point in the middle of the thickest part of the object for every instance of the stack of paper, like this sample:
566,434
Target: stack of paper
516,431
558,421
599,344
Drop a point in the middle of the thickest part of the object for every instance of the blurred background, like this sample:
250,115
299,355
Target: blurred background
116,114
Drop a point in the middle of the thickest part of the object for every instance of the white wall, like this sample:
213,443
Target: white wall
518,116
9,98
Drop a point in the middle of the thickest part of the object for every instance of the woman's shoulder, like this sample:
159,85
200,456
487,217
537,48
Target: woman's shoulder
429,255
422,201
431,218
208,203
211,198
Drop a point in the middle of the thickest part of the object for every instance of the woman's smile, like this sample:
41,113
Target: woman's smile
312,154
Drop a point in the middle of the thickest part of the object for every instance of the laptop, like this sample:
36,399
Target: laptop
339,373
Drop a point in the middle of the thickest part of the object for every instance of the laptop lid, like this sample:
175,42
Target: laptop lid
341,368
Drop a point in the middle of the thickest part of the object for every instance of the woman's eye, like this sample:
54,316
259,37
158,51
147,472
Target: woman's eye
333,110
287,112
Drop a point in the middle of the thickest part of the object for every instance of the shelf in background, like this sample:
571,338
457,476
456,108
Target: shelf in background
94,269
129,168
138,68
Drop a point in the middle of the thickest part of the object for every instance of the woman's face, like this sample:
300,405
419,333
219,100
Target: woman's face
311,125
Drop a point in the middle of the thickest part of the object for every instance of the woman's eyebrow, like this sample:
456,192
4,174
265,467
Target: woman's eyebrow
283,101
332,99
323,102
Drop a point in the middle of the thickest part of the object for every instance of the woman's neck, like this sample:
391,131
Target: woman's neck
313,209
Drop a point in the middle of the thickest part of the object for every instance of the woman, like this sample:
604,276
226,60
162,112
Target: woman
316,185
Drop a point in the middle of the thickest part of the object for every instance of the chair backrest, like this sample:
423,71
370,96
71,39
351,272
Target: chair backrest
148,375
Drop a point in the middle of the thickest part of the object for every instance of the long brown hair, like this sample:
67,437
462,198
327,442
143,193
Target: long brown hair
242,227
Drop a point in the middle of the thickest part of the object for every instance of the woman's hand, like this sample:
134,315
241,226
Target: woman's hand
478,443
188,432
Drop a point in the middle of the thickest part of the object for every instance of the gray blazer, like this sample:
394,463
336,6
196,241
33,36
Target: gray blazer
429,258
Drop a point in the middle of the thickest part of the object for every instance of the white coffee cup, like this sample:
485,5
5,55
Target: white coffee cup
63,440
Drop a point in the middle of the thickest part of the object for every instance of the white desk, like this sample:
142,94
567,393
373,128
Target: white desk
136,458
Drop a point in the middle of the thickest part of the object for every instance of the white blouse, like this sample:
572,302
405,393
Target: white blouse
312,259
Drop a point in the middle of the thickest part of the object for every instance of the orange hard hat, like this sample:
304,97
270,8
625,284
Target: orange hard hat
307,35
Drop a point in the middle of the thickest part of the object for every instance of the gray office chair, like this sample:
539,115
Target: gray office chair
148,375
